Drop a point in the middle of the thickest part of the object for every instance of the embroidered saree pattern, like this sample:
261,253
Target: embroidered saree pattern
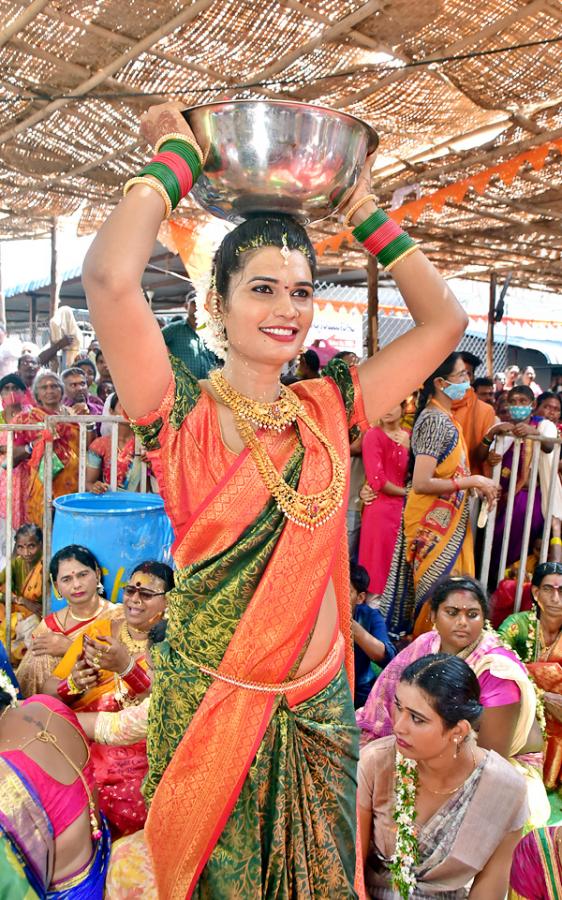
435,539
248,589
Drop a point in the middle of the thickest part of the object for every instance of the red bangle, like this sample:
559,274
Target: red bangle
456,485
137,680
381,237
179,167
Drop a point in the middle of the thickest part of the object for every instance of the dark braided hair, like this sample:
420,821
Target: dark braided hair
450,685
428,391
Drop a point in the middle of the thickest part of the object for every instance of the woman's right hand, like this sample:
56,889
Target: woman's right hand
98,487
485,488
165,118
85,677
50,644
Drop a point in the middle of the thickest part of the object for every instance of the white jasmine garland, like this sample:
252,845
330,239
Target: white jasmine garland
406,853
7,686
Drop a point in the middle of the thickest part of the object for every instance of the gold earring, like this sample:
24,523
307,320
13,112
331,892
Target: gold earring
216,322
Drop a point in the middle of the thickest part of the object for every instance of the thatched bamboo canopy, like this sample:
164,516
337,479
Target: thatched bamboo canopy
454,87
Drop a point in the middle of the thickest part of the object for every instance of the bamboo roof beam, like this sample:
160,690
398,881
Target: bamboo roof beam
471,160
450,50
186,15
336,29
21,21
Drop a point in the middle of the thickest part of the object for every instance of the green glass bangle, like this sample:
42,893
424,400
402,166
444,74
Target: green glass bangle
395,249
187,153
365,229
166,178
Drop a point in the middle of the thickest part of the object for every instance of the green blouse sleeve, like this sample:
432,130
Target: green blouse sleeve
346,379
514,631
180,398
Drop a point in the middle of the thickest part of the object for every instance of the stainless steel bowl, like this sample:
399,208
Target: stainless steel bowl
277,156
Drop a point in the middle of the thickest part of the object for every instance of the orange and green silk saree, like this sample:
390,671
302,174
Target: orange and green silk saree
263,782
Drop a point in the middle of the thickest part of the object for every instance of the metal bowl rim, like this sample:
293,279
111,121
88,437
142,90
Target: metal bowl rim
373,136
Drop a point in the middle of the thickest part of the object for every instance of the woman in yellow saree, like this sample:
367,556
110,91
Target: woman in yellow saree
106,668
252,744
436,539
76,575
27,589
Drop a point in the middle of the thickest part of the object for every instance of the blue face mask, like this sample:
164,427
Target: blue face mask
456,391
519,413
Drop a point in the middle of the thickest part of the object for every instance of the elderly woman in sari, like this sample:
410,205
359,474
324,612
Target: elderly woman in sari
537,637
256,605
436,539
48,390
439,815
106,668
508,723
27,588
536,870
53,843
76,575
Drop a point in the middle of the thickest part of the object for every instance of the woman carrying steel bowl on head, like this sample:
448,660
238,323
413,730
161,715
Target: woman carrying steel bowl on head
508,724
250,682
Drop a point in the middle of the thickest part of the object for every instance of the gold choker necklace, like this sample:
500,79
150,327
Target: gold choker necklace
307,510
133,645
276,416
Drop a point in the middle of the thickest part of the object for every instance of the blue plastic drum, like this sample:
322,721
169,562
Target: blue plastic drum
121,529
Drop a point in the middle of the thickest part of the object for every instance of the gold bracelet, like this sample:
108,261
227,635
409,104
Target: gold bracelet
178,136
556,541
351,212
398,259
152,182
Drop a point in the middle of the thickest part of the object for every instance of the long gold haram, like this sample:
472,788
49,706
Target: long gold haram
307,510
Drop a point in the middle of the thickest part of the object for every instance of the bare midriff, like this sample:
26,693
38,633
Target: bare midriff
322,638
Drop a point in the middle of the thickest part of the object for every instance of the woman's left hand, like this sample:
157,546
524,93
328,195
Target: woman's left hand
362,189
165,118
106,653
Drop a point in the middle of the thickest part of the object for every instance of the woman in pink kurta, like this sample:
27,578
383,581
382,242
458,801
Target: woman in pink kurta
385,458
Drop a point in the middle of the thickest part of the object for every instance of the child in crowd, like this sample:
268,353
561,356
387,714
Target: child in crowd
372,644
27,589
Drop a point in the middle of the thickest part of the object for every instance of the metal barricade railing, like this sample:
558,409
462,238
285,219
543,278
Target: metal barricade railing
532,485
48,427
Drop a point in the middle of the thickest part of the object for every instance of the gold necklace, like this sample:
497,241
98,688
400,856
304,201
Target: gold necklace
455,789
307,510
88,618
133,645
276,416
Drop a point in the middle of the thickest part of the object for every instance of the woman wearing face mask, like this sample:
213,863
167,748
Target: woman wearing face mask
521,403
435,540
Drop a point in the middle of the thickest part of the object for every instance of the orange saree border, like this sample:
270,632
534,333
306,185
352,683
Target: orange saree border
202,782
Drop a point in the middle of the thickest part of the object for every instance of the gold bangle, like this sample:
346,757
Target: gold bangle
152,182
178,136
398,259
351,212
556,541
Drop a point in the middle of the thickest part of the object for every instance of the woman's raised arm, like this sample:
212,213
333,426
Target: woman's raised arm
127,330
391,375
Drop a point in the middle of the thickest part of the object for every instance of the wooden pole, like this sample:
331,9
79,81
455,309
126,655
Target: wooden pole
372,306
490,334
54,294
2,297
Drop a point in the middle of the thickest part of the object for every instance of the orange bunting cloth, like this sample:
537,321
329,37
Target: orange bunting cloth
455,192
